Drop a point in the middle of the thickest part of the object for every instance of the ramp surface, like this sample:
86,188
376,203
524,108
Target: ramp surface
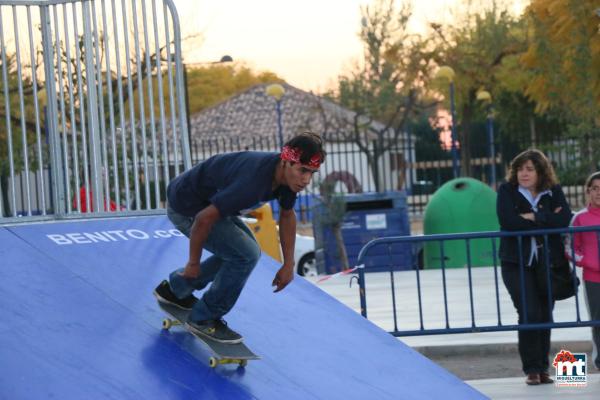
80,321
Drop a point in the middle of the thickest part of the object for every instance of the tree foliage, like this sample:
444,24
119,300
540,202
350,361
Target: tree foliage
483,50
564,53
385,88
564,58
210,85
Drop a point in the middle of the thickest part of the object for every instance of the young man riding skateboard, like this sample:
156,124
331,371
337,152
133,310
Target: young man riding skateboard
204,203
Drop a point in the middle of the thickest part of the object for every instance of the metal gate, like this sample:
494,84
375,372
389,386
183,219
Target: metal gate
92,107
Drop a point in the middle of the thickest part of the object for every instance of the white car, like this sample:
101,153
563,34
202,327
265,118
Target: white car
304,252
304,255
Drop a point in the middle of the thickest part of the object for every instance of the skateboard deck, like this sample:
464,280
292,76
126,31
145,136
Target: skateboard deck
223,353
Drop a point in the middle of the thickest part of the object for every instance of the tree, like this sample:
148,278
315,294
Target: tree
564,52
209,85
515,111
482,50
564,57
332,217
385,89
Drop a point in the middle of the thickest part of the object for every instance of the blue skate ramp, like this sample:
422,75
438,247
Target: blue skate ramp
80,322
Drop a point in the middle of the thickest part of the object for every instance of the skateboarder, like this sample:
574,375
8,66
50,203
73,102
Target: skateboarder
204,203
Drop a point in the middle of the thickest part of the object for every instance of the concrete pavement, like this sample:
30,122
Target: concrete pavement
485,311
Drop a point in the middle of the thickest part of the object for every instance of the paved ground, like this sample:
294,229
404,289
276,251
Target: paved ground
515,389
491,361
487,361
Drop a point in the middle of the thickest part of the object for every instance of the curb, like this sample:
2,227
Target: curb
576,346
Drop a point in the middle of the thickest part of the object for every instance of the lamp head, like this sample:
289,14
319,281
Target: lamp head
275,90
484,95
446,72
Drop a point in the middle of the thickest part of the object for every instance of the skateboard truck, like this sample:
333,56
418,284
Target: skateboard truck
167,323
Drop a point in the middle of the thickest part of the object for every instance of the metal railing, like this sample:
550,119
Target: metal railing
444,323
93,107
400,167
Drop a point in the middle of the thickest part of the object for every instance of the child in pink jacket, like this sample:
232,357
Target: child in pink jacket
587,257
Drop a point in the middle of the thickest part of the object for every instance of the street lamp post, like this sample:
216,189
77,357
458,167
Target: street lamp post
277,91
446,72
486,97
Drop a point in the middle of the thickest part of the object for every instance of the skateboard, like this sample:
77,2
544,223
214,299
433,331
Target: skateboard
223,353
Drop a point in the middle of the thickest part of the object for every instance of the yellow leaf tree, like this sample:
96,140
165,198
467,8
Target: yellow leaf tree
564,52
564,58
210,85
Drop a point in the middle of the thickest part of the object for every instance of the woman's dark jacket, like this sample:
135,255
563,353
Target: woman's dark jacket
511,203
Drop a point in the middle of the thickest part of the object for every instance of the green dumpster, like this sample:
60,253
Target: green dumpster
460,205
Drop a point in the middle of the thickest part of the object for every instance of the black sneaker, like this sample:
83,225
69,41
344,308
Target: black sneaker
216,330
164,294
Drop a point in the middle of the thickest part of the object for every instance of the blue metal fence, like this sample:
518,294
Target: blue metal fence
472,325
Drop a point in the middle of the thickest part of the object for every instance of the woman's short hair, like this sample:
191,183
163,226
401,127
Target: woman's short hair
543,168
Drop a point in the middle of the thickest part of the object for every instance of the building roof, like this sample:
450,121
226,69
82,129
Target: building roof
251,116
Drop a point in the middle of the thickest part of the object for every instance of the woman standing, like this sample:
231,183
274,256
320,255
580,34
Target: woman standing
531,199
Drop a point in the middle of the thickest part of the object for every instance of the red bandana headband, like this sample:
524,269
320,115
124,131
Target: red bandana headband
293,154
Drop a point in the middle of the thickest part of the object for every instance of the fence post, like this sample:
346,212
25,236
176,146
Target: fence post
51,116
94,121
362,290
179,83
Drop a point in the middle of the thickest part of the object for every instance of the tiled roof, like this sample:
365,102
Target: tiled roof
252,115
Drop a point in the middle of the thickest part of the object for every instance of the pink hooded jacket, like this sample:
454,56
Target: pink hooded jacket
586,243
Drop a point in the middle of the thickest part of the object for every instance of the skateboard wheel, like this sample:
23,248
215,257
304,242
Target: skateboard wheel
243,363
212,362
167,323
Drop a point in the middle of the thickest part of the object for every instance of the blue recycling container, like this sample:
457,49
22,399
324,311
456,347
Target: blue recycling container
368,216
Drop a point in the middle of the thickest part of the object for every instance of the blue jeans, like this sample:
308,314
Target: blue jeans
235,254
